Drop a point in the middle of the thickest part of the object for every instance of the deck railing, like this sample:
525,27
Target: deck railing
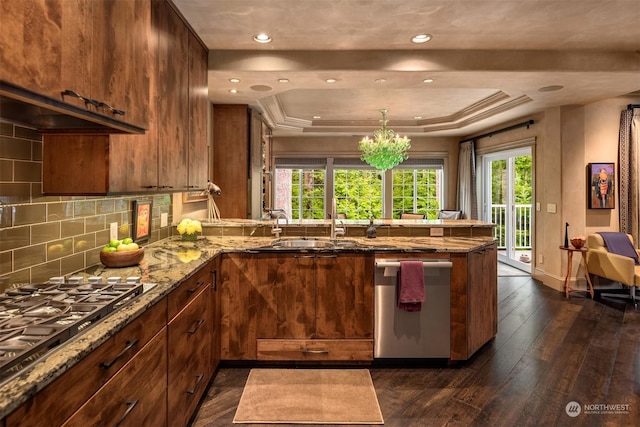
522,223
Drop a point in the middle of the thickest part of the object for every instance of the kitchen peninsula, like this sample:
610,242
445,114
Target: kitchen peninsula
182,268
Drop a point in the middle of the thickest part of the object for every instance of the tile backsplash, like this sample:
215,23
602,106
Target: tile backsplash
45,236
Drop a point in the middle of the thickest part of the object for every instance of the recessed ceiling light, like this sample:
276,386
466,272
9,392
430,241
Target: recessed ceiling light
330,80
234,80
427,81
380,80
316,117
283,80
233,90
421,38
551,88
417,117
262,38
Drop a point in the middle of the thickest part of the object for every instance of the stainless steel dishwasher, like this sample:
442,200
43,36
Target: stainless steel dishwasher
422,334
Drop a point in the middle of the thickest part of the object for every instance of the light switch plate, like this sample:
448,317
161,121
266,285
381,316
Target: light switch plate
164,219
551,207
113,231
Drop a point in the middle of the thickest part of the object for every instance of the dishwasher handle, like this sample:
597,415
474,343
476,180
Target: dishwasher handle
426,264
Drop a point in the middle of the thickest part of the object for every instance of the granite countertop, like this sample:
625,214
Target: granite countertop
166,264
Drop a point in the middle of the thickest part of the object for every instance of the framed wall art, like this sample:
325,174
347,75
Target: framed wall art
141,220
601,177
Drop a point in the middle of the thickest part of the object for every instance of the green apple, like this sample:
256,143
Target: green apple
108,249
114,243
127,241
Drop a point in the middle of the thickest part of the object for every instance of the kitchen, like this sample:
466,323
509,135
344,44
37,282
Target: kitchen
89,216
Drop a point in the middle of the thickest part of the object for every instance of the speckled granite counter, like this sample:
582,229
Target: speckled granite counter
167,264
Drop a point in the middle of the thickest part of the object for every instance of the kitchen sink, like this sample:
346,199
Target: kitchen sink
312,243
302,243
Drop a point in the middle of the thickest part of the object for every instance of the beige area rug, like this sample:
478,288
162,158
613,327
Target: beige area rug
309,396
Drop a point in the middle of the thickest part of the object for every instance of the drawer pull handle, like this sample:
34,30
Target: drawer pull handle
303,256
305,351
130,405
198,323
199,378
198,284
130,345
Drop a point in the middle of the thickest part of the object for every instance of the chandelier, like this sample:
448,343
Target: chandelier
386,149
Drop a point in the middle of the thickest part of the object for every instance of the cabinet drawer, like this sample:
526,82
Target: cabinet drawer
189,348
136,396
188,290
67,393
315,350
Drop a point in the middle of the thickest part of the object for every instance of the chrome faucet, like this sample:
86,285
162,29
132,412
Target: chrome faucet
275,229
335,231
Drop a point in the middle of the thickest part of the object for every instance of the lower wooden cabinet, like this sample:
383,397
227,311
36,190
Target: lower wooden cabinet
136,396
190,369
271,300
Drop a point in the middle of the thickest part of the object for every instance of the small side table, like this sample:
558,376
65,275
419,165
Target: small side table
567,280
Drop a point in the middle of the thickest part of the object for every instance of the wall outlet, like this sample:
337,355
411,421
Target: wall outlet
164,219
540,259
113,231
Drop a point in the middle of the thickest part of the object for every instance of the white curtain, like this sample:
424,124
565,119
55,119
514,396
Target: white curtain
629,159
467,196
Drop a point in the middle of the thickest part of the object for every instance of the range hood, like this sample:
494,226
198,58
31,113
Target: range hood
49,115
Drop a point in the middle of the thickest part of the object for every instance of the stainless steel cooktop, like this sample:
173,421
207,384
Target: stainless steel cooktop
36,318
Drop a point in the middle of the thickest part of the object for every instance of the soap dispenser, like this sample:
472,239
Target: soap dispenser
371,230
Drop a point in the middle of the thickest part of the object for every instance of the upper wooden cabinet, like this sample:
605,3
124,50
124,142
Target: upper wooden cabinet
198,154
99,50
172,155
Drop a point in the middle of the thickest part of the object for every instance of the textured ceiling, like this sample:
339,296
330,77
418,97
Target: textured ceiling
488,60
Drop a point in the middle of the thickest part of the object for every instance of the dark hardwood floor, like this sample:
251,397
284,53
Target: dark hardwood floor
549,352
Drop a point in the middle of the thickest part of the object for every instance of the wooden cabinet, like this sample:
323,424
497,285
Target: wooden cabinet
172,155
60,399
190,346
474,301
97,49
198,144
237,166
173,97
297,306
137,396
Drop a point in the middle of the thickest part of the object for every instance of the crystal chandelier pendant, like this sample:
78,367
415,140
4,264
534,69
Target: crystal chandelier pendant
386,150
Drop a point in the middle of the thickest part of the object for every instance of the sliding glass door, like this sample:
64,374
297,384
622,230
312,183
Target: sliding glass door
508,188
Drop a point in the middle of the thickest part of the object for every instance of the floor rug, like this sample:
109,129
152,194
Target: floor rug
309,396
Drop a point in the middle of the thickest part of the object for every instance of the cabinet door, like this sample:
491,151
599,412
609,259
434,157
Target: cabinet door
243,302
198,107
344,296
120,68
189,345
46,46
291,278
172,78
482,297
136,396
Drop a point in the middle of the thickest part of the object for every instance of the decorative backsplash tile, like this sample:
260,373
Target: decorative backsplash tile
45,236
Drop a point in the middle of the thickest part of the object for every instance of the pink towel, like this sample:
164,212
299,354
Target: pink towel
410,285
